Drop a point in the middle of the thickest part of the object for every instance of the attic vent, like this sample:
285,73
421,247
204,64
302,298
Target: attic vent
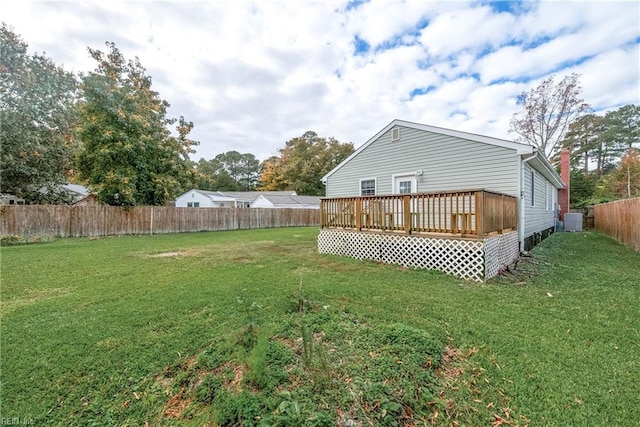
395,134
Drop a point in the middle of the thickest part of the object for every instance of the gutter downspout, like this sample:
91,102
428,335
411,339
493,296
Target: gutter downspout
522,206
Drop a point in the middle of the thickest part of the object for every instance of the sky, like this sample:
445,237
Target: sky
252,75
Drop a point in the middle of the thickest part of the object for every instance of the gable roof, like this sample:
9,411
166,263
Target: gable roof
239,195
278,199
520,148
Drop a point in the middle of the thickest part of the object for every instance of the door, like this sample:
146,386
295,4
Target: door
403,184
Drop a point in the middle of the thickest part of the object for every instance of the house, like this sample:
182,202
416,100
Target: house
425,180
222,199
66,193
76,193
286,201
11,199
89,200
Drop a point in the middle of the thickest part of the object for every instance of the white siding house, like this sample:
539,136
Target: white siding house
406,157
223,199
286,201
206,199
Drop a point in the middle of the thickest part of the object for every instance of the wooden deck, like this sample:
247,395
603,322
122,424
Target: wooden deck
470,214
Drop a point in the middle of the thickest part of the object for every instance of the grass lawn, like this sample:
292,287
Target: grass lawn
256,328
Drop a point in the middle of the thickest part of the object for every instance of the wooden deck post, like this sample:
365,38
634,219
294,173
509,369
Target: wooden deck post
406,201
358,210
480,214
322,212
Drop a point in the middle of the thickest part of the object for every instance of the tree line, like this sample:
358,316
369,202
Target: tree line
108,129
604,148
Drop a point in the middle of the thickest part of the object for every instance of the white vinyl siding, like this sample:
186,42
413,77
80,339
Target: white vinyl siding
447,163
537,215
193,199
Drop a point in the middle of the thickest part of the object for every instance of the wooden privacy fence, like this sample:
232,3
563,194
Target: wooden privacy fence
473,213
94,221
620,220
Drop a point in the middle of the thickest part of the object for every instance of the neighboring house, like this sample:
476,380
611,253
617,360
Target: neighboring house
89,200
10,199
222,199
66,194
286,201
76,193
407,157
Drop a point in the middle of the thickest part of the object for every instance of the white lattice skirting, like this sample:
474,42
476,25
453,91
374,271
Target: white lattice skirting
476,260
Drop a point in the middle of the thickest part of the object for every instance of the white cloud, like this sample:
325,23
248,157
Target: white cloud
458,30
254,74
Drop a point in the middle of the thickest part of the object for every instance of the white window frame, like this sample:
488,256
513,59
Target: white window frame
533,188
375,186
547,194
411,176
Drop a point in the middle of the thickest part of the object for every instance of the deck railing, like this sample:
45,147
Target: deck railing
474,213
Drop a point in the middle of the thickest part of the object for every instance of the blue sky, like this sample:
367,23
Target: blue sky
252,75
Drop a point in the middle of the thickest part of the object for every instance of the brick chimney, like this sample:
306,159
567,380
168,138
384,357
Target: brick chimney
565,174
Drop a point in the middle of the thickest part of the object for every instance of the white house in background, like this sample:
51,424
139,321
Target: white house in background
222,199
286,201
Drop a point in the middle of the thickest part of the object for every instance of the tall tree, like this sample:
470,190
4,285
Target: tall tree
242,168
624,181
622,127
37,121
588,145
302,163
211,175
130,157
547,112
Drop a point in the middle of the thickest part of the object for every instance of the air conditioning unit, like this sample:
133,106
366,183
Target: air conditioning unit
573,222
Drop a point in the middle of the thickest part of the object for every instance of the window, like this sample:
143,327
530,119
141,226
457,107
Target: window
367,187
189,204
193,204
404,187
533,188
395,134
547,194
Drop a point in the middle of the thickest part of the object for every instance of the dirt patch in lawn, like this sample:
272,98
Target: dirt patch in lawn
171,254
176,405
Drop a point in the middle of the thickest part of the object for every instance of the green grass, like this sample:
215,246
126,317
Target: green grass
257,328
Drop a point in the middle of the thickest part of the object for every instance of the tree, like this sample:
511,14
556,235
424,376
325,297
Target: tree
302,163
211,175
624,181
622,127
244,169
548,111
130,157
230,171
37,122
